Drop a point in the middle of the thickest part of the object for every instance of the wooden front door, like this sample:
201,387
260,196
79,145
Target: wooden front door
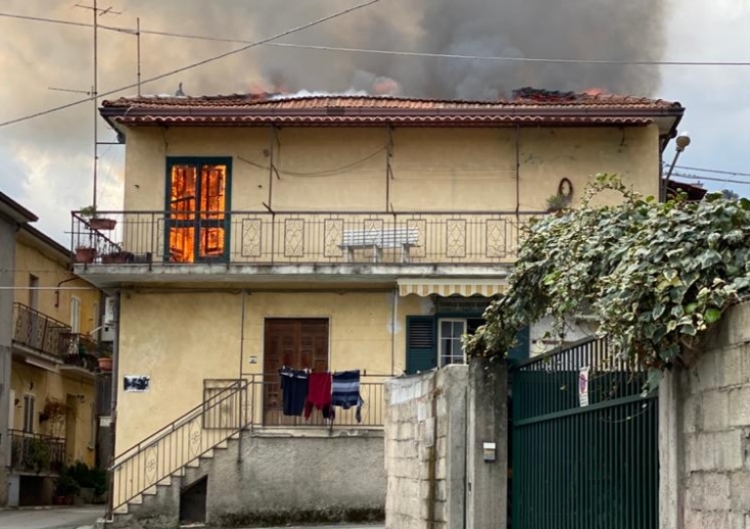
298,344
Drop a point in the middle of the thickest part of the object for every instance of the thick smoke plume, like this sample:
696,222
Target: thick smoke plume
54,152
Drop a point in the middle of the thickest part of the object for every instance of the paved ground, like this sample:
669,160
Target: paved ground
55,518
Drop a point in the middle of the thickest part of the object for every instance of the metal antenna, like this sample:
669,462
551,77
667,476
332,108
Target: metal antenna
97,12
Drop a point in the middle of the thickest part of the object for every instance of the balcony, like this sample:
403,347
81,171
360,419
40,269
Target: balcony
80,359
263,245
38,333
30,452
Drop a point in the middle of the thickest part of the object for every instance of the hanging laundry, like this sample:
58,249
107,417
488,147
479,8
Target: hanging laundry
345,392
294,386
319,394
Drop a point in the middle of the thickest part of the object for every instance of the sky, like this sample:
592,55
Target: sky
46,163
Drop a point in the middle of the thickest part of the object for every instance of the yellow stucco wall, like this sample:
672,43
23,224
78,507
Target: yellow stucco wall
34,257
434,169
43,385
179,340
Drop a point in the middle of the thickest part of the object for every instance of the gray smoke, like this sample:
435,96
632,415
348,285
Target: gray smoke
575,29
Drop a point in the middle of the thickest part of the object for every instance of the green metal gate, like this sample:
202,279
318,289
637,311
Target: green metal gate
578,465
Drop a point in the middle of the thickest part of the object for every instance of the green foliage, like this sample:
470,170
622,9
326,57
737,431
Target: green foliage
65,485
655,276
90,478
88,211
39,455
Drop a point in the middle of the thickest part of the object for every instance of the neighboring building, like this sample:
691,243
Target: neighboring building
330,233
12,216
53,329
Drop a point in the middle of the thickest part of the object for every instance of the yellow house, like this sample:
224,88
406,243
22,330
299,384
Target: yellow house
51,421
322,233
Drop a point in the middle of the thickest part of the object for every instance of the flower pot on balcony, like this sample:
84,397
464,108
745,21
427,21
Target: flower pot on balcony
115,257
102,224
105,363
85,255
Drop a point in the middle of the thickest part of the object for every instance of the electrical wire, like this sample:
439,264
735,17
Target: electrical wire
326,172
195,64
714,171
710,179
386,52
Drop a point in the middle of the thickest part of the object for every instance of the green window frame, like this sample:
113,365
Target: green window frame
197,195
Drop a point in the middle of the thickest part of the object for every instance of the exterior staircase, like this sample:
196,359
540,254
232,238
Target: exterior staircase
154,471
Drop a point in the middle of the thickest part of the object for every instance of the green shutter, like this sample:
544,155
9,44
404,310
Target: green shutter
421,351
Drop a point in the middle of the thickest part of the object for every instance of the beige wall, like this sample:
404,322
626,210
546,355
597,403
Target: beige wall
33,257
179,340
433,169
32,260
44,385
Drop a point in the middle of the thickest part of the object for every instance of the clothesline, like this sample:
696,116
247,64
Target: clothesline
302,390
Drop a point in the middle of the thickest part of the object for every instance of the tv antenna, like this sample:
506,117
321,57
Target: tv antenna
97,12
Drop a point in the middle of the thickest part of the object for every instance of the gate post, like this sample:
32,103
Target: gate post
671,494
487,424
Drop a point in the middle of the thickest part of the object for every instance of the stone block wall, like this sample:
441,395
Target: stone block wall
705,433
425,449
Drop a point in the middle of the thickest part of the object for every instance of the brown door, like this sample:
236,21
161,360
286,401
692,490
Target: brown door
299,344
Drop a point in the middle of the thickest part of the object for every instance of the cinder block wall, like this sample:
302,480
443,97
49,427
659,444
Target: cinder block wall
713,430
425,449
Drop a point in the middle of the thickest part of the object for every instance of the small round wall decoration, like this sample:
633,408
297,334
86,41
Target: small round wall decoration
565,188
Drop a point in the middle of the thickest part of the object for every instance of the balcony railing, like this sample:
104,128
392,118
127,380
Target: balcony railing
32,452
80,352
40,333
241,237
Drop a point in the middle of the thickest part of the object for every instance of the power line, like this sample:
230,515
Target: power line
708,178
714,171
196,64
394,52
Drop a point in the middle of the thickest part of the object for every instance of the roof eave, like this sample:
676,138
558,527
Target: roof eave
14,211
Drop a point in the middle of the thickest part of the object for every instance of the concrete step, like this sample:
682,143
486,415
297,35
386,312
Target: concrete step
151,491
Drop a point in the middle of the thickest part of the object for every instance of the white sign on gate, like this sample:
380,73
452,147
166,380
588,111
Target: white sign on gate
583,387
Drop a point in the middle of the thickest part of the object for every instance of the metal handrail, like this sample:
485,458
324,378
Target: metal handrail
158,468
159,434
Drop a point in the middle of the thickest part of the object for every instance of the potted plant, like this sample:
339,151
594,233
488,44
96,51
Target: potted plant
66,487
85,254
115,256
557,203
96,222
105,357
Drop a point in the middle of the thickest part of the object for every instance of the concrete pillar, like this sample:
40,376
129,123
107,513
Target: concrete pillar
671,512
487,422
7,265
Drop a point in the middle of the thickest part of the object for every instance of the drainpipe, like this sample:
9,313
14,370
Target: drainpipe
113,405
57,290
394,311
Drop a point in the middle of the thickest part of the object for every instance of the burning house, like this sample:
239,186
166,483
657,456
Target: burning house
267,235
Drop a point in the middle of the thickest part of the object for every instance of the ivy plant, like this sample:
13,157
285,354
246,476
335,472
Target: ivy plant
653,276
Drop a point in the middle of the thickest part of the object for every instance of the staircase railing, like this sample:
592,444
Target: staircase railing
178,444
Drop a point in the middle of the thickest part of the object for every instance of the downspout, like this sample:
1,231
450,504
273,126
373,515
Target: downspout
113,405
518,170
57,290
240,422
394,312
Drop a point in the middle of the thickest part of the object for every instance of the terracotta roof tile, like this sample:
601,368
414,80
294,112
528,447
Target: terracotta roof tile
279,102
535,107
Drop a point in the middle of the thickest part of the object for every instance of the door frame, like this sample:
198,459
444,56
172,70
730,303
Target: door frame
196,223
